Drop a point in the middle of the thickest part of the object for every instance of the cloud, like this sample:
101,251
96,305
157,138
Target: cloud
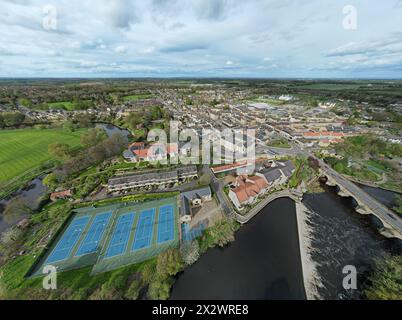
276,38
184,47
120,14
120,49
211,10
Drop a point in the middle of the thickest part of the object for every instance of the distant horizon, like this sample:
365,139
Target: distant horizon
200,78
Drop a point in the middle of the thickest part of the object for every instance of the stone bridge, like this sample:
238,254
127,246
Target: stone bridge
366,204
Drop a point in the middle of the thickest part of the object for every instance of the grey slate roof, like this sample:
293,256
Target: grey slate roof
156,176
186,197
271,174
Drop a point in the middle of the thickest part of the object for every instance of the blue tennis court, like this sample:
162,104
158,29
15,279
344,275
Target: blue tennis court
121,235
68,240
166,223
95,234
144,230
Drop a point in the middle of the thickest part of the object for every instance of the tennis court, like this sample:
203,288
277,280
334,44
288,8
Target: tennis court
121,235
166,224
144,230
69,239
91,242
111,236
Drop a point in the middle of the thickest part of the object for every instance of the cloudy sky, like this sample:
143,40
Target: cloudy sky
205,38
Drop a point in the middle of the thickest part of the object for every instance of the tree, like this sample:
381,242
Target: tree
386,279
221,233
69,126
11,235
16,208
190,252
169,263
59,150
133,291
148,273
83,120
12,119
50,181
160,289
133,120
93,136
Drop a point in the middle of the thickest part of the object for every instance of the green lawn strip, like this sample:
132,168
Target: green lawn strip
24,149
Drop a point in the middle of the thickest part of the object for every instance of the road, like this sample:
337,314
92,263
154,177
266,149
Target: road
379,209
217,187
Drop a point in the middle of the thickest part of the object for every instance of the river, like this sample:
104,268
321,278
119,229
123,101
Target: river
264,261
30,196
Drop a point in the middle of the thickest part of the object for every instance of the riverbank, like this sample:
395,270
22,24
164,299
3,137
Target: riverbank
311,278
262,263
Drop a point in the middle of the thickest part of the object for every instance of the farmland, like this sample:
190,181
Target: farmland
26,149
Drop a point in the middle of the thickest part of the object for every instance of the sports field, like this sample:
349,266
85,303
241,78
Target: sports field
115,235
25,149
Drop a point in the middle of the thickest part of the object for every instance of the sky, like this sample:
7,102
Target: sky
201,38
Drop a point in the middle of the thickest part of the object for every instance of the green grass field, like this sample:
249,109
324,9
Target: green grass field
25,149
67,105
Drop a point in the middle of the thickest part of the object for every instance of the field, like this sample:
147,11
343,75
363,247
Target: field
67,105
26,149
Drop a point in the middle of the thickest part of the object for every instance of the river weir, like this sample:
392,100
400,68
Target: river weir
264,262
291,250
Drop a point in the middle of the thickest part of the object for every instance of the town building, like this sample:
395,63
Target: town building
245,190
192,201
164,178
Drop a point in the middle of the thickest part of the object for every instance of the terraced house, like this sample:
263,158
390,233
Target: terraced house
164,178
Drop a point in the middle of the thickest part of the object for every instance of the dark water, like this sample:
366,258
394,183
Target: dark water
263,263
388,198
30,196
111,130
343,237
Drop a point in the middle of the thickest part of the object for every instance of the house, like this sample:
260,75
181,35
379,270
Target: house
278,173
191,201
61,195
157,152
161,179
246,190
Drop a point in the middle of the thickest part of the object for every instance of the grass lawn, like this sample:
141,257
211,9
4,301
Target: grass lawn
279,143
68,105
26,149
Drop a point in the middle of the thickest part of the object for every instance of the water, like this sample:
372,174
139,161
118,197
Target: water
263,262
30,196
343,237
384,196
112,129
